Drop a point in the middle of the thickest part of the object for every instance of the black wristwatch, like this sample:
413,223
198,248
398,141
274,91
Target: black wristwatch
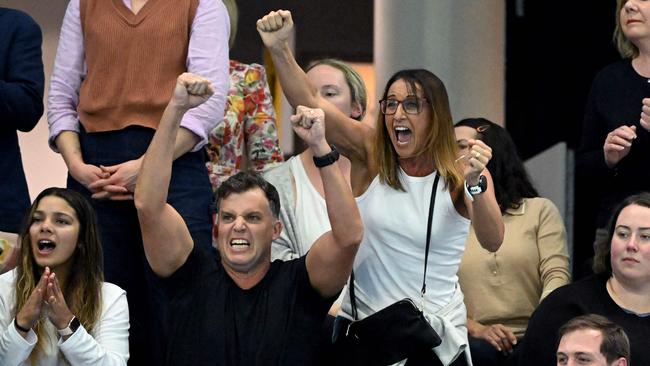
71,328
327,159
479,188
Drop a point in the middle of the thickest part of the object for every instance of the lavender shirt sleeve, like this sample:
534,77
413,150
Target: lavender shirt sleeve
69,70
207,56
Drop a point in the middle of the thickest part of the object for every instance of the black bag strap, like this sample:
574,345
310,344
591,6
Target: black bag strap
353,300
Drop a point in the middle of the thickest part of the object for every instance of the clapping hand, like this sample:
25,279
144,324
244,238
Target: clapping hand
30,313
618,144
645,114
58,311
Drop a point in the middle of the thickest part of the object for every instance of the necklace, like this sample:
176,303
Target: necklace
619,301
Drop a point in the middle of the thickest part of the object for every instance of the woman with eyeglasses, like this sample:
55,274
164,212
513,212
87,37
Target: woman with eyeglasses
502,289
394,167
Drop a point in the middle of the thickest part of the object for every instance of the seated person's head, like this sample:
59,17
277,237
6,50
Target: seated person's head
511,181
247,221
593,340
624,253
340,84
60,232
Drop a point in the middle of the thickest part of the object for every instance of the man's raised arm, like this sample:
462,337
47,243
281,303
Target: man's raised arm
330,259
167,241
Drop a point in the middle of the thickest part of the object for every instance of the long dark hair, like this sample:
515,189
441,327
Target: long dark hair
82,291
511,181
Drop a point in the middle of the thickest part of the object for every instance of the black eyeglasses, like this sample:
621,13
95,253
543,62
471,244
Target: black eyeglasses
410,104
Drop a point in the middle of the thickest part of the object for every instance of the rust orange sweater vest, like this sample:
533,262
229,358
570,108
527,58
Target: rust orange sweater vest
133,60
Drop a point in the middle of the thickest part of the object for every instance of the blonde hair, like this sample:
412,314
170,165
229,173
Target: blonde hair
82,290
441,145
358,93
625,47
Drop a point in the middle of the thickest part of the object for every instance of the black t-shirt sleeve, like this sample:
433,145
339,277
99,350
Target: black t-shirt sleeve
305,287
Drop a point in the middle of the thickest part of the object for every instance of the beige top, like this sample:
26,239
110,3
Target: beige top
505,287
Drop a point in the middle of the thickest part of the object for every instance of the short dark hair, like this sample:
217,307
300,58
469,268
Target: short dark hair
511,181
244,181
602,258
615,343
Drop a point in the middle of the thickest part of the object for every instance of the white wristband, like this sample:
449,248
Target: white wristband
469,195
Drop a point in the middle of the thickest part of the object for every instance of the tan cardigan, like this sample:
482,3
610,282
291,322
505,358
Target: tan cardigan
505,287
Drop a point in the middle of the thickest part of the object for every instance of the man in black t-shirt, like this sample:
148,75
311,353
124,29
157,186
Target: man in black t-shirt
238,308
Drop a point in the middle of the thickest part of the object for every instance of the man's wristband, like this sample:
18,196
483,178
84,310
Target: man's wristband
24,330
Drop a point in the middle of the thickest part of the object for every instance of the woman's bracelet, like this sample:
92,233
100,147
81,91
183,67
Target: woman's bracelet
25,330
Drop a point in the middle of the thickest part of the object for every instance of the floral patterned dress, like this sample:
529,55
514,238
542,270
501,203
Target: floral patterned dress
248,127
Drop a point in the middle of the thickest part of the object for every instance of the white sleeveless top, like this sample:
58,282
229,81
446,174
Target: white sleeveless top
311,209
390,263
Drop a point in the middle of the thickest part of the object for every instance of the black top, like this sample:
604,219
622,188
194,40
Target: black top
21,106
615,100
588,296
214,322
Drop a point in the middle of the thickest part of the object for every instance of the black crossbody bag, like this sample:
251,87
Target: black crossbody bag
396,331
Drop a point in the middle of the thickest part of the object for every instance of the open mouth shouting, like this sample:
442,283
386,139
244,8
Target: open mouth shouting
239,245
403,135
46,246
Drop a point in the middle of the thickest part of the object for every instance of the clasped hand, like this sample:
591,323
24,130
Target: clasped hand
46,298
499,336
117,182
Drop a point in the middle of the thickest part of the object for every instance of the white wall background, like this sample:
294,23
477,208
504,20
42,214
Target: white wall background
461,41
43,167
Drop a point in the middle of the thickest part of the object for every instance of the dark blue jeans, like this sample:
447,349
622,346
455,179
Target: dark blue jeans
484,353
125,264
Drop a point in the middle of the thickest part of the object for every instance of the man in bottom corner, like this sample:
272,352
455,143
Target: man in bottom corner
593,340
